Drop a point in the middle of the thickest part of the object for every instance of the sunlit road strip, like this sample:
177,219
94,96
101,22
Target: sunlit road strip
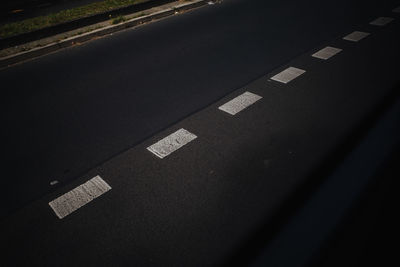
78,197
288,75
326,52
381,21
171,143
356,36
239,103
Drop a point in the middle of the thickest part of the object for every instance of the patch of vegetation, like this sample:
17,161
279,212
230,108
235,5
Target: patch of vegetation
118,19
36,23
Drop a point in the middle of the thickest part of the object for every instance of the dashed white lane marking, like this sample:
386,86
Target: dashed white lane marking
171,143
327,52
288,75
396,10
79,196
239,103
381,21
356,36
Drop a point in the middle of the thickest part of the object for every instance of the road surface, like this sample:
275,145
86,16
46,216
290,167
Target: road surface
94,109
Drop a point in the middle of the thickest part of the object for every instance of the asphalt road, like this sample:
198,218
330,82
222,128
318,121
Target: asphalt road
67,112
69,115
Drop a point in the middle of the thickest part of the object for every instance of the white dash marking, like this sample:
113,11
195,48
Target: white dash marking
239,103
396,10
356,36
79,196
288,75
381,21
327,52
171,143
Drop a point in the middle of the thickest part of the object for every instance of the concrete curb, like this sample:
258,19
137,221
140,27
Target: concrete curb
39,51
78,23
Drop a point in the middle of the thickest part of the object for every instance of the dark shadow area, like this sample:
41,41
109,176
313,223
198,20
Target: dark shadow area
369,235
259,239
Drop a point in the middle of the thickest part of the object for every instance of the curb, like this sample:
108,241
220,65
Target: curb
39,51
78,23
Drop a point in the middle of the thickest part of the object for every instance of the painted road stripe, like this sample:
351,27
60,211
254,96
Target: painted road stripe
381,21
327,52
79,196
288,75
396,10
356,36
171,143
239,103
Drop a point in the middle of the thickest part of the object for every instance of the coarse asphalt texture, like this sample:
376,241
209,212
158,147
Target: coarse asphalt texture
71,111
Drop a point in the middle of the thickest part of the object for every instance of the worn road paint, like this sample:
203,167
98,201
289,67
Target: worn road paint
288,75
327,52
381,21
79,196
239,103
356,36
171,143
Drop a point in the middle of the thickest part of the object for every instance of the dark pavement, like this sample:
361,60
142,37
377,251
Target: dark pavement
67,112
70,115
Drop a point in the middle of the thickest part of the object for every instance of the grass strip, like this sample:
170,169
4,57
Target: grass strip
32,24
